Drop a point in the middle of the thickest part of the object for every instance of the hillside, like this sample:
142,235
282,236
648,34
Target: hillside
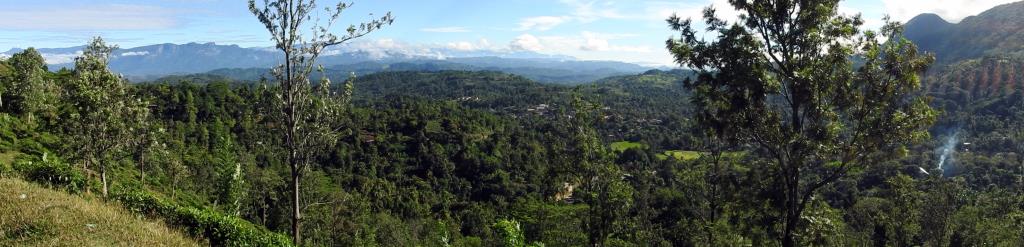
998,31
541,70
31,215
977,80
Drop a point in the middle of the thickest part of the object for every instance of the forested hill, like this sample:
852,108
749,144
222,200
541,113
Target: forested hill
541,70
977,83
648,107
980,60
996,32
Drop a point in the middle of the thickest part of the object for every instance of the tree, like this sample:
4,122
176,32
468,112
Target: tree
783,80
105,112
309,117
602,184
512,234
29,91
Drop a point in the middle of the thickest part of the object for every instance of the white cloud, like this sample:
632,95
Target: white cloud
61,58
445,30
541,23
462,46
526,42
594,44
135,53
381,48
586,42
951,10
88,18
599,42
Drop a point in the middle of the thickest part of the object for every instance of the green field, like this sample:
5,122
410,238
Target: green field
626,145
622,146
679,155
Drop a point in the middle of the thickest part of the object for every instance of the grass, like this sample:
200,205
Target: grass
31,215
6,158
626,145
680,155
683,155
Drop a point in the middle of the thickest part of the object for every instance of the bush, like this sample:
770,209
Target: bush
50,172
220,229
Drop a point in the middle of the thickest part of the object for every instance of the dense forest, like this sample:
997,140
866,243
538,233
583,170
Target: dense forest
881,150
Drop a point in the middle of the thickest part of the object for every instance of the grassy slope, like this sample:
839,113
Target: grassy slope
624,145
46,217
680,154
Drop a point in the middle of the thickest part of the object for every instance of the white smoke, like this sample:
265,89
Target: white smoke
948,150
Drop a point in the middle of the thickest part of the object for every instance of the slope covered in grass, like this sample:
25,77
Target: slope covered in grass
31,215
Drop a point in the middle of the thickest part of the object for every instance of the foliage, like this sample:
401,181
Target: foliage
425,158
51,172
104,111
218,228
785,83
309,117
513,234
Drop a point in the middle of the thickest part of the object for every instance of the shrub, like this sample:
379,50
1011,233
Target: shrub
220,229
50,172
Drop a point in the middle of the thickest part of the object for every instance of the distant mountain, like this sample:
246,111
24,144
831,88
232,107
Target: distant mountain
996,32
154,61
978,60
541,70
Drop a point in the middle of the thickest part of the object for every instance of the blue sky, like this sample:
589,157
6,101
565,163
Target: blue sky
632,31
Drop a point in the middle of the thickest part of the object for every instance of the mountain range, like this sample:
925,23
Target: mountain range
155,61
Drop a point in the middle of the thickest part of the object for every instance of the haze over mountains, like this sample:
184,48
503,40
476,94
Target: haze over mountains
154,61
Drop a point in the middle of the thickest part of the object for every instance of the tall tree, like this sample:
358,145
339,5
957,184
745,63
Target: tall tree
602,185
309,117
29,91
783,79
105,112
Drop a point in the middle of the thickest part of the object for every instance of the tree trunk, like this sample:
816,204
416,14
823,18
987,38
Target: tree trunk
793,204
88,176
787,236
103,178
142,169
296,214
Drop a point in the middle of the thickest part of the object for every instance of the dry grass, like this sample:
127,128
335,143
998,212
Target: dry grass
44,217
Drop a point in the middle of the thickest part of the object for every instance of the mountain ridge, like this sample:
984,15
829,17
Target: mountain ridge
998,31
154,61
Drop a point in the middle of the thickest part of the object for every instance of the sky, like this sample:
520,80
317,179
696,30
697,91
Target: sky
618,30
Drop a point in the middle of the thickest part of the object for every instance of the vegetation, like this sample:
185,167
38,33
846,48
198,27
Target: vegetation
32,215
785,84
309,116
787,132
